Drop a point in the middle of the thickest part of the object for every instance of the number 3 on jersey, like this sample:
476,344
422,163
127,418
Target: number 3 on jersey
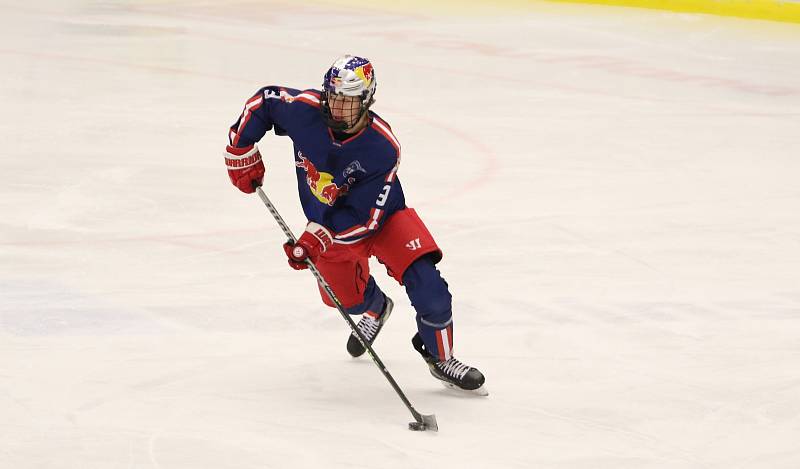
384,195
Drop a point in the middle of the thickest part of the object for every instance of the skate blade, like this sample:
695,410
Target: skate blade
481,391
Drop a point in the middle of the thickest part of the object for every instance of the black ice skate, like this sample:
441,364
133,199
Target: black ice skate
369,326
452,373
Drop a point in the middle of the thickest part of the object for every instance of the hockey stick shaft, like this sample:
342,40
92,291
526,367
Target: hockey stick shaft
426,420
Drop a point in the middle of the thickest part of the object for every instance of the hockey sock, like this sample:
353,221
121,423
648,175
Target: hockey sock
431,298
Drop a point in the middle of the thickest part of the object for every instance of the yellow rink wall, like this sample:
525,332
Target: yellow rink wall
774,10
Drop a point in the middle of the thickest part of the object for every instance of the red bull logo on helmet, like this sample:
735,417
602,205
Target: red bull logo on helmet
365,73
351,76
320,183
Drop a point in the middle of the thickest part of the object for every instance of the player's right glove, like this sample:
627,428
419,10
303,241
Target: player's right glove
315,240
245,167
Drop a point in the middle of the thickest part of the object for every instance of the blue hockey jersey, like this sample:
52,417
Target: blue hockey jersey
349,186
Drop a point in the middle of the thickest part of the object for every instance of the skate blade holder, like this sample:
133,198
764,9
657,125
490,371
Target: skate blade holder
424,423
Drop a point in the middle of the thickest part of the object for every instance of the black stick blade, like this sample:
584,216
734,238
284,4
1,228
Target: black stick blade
428,422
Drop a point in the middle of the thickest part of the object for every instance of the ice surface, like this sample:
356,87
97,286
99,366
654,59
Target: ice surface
616,192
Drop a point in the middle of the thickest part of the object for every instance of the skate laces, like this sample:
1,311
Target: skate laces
453,368
368,326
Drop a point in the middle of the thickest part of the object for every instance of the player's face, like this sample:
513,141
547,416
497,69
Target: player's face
345,108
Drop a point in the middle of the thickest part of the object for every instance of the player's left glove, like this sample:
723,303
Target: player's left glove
315,240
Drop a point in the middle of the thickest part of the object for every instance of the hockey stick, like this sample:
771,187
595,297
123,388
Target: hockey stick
422,422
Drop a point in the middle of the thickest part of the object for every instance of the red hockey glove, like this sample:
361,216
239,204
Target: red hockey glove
315,240
245,167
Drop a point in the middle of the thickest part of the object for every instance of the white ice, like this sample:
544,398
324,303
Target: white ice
617,193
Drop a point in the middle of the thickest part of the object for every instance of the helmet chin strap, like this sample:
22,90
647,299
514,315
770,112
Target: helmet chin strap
359,123
341,126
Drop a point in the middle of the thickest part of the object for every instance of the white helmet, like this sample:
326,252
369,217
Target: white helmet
348,76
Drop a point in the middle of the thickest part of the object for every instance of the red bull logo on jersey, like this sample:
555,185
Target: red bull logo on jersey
320,183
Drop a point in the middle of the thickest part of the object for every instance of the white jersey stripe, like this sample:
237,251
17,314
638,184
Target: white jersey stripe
387,133
339,241
376,215
249,107
371,225
390,177
352,232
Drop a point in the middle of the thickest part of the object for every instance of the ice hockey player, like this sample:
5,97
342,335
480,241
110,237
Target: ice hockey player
346,159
